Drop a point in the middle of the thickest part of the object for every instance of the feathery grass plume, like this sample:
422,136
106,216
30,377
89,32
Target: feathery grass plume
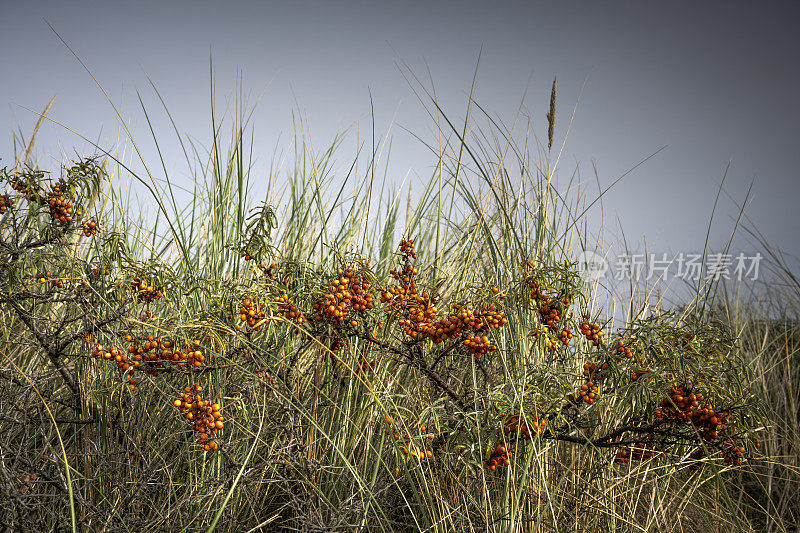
551,116
39,122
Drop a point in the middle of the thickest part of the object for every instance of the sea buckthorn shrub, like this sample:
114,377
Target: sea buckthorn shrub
634,372
385,365
74,295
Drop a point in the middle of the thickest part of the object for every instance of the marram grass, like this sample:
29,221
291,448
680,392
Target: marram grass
318,360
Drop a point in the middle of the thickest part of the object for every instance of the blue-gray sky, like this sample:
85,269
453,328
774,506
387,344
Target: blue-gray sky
712,81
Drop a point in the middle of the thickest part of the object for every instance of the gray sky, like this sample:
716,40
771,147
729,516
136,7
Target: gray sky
712,81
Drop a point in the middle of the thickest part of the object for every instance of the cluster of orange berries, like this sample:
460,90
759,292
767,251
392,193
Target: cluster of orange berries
478,345
407,284
499,456
144,292
405,277
189,353
124,363
29,190
460,319
528,426
348,292
251,311
552,344
206,417
407,249
90,228
6,202
289,310
591,331
60,207
551,311
485,319
622,350
153,353
159,350
419,312
420,318
587,393
686,404
550,314
733,454
729,452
